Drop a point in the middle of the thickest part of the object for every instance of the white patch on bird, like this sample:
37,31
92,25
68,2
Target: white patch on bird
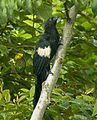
44,51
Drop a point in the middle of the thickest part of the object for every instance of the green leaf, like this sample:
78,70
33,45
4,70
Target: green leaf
32,92
29,5
30,17
21,98
1,96
37,2
81,3
90,90
3,17
26,36
25,90
78,117
88,98
45,11
29,22
28,52
6,95
1,117
3,50
94,6
19,3
87,25
95,109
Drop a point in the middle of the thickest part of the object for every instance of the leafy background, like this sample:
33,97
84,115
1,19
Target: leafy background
21,25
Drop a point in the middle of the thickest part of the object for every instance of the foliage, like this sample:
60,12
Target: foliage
75,95
18,108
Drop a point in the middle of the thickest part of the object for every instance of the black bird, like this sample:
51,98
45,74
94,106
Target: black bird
45,50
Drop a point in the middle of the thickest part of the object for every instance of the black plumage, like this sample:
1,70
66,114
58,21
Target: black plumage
45,50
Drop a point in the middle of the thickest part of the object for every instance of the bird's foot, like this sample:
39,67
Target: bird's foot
50,72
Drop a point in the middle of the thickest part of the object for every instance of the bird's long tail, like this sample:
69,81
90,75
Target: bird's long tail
38,86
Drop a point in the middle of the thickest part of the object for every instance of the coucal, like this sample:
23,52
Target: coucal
45,50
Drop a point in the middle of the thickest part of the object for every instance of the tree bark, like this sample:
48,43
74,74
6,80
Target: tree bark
49,84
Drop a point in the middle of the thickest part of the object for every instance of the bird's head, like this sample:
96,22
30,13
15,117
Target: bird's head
51,22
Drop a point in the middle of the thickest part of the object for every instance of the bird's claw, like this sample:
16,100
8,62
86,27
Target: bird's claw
50,72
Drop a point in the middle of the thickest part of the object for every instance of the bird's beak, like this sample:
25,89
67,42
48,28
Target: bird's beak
57,19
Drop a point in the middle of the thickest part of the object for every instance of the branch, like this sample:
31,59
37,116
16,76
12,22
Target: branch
49,84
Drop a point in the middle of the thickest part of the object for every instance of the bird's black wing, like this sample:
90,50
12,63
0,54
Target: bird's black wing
41,60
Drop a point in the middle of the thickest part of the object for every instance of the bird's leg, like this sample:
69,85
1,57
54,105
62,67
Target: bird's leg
50,72
60,43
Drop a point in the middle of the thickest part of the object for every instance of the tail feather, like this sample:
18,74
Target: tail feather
38,86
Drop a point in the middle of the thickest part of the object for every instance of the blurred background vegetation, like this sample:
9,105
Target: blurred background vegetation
21,24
